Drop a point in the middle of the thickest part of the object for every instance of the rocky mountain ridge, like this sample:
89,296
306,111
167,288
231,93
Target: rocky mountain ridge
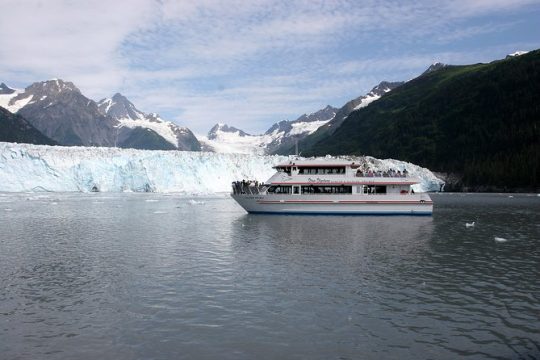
61,112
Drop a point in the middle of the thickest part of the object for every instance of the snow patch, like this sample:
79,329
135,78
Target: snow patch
307,127
161,127
518,53
367,100
5,100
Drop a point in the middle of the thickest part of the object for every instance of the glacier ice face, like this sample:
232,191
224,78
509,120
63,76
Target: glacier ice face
25,167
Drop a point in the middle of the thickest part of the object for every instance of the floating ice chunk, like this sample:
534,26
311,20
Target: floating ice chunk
500,239
160,212
471,224
195,202
151,200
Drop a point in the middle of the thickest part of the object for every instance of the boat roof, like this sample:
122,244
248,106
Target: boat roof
317,162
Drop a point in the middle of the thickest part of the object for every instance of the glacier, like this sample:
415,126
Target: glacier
41,168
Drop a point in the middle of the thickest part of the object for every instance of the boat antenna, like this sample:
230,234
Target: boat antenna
296,147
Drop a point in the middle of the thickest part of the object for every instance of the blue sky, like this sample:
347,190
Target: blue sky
250,63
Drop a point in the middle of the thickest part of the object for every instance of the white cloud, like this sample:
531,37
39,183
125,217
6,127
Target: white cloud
75,40
247,63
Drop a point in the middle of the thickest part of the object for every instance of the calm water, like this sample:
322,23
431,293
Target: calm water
147,276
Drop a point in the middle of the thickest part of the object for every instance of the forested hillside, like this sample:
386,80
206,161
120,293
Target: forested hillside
480,122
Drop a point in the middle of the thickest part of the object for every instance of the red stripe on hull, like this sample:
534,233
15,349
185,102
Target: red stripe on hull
343,202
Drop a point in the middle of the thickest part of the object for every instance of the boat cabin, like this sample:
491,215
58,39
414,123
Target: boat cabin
336,178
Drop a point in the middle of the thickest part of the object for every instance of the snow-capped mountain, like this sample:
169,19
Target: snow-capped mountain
145,131
60,111
56,168
119,107
228,139
355,104
217,130
286,133
281,137
517,53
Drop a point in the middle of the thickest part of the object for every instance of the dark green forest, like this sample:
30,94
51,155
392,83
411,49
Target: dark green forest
480,122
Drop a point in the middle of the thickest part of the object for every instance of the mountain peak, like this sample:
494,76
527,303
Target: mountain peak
119,107
434,67
5,90
384,87
516,53
119,97
51,87
224,128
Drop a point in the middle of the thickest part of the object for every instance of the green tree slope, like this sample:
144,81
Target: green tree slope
479,121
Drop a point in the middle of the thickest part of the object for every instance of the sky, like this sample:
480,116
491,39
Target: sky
250,63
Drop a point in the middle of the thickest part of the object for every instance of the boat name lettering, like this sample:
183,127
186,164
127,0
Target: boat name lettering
318,180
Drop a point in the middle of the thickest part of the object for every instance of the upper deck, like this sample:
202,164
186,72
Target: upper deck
337,172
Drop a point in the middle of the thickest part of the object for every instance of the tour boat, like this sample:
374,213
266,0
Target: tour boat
333,187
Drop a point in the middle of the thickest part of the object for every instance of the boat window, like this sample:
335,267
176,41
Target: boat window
375,189
279,189
296,190
326,189
321,170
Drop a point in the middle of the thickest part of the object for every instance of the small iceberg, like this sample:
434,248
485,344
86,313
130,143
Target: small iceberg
195,202
500,239
471,224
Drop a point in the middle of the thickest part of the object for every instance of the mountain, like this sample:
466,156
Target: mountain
480,123
6,90
516,53
331,126
285,134
434,67
58,110
136,129
14,128
218,129
228,139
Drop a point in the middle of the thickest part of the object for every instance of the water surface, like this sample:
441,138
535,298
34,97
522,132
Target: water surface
154,276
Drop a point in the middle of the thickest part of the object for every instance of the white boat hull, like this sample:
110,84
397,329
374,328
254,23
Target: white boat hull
415,204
